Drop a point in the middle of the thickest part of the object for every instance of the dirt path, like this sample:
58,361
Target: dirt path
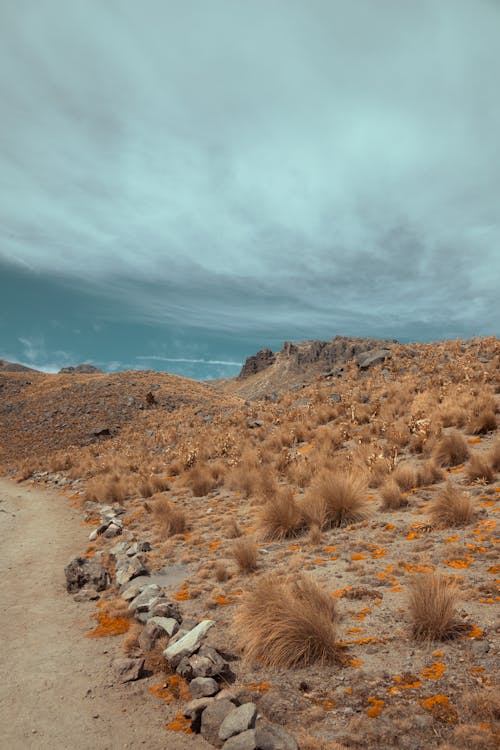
55,689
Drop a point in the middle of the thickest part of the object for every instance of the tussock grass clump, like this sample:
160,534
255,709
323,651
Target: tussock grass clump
452,449
112,489
287,623
336,499
233,530
280,517
494,456
479,468
169,518
405,477
245,552
392,496
429,473
451,507
485,421
432,604
200,480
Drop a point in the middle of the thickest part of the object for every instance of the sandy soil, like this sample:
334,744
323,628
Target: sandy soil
56,689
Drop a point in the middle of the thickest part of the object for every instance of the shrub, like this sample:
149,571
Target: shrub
429,473
336,499
452,507
494,456
287,623
452,449
200,480
485,421
108,490
281,517
432,604
479,468
392,496
233,530
245,552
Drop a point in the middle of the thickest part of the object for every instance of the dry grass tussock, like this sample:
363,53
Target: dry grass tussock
451,507
169,518
336,499
432,604
107,489
429,473
485,421
201,480
452,449
280,517
479,468
405,477
392,496
245,552
494,456
287,623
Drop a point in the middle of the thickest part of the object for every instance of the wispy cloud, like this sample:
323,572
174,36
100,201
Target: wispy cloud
157,358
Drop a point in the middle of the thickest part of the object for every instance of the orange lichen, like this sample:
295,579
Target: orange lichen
459,563
358,556
475,632
179,724
109,626
356,663
389,527
410,568
304,448
413,535
494,569
475,440
376,706
175,688
328,705
434,672
330,548
222,600
439,706
361,614
182,595
258,687
213,545
451,539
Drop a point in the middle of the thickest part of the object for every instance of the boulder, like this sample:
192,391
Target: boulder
82,571
244,741
149,635
128,568
272,737
211,720
189,643
203,687
208,663
169,625
147,597
238,721
372,357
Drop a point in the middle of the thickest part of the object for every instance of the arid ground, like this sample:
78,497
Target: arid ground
335,515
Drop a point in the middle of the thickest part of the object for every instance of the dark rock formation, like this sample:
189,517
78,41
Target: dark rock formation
257,363
80,369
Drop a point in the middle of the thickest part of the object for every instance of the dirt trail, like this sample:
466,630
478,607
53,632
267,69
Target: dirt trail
55,690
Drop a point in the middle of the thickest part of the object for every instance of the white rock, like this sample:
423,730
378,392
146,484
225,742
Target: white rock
189,643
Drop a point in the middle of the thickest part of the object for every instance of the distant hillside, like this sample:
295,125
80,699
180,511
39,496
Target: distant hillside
14,367
267,374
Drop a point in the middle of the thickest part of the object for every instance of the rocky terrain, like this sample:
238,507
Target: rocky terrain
303,556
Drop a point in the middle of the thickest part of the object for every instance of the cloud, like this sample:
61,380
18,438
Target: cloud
330,170
157,358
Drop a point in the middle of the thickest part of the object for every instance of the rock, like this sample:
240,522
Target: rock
184,669
149,635
100,431
203,687
272,737
194,709
169,625
147,597
86,595
208,663
82,571
128,670
128,568
168,609
257,362
189,643
253,423
244,741
372,357
239,720
114,529
85,369
335,398
211,720
480,647
133,590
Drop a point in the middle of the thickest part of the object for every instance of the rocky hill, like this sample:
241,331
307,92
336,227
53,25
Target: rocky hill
267,374
6,366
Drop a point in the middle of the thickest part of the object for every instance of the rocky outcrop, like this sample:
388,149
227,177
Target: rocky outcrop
372,358
80,370
14,367
257,362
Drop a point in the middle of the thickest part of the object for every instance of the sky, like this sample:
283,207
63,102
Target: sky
184,182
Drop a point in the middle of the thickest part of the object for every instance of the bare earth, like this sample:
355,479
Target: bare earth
56,690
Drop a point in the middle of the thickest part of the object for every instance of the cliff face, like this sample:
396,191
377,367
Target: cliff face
267,373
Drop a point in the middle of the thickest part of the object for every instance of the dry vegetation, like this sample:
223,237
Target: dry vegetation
350,525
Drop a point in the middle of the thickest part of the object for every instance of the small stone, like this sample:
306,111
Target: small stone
164,608
239,720
480,647
147,597
128,670
211,720
149,635
129,568
203,687
168,624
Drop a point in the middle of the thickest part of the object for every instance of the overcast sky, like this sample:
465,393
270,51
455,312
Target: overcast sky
196,179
